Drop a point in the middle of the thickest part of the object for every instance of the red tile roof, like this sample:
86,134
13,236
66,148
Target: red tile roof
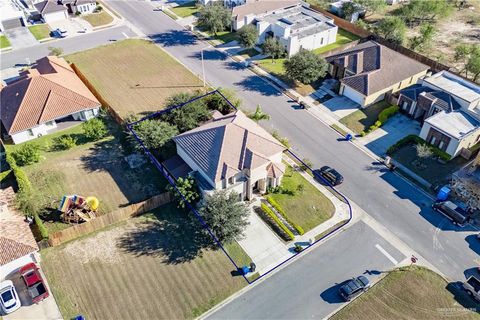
16,238
49,91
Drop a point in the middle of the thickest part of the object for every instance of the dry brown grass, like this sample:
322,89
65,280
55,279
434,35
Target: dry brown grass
415,294
134,76
133,271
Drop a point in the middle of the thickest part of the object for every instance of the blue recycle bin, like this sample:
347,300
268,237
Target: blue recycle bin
348,137
245,270
443,193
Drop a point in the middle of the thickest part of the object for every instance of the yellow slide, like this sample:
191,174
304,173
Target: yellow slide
93,203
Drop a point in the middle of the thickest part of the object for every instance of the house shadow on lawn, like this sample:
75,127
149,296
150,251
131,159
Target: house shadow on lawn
169,233
174,38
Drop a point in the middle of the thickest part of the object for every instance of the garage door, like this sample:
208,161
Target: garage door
12,23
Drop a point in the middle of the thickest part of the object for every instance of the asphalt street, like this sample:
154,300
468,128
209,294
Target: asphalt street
312,292
403,209
69,45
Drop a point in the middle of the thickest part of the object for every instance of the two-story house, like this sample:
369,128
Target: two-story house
449,107
232,152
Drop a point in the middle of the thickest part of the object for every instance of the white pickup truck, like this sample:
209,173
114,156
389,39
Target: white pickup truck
472,286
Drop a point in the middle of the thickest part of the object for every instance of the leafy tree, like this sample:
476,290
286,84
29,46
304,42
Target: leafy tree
305,66
423,150
419,11
248,35
392,29
214,18
225,215
64,142
55,51
362,24
188,188
273,48
424,40
27,154
348,9
372,6
189,116
217,102
259,114
469,56
94,129
154,134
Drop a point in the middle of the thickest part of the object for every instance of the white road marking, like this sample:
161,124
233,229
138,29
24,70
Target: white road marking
386,254
125,35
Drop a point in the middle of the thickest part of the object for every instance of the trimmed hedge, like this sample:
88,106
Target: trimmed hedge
41,227
286,233
413,139
383,117
23,183
279,208
4,175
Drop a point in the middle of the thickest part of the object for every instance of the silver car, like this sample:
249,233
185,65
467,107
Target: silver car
9,300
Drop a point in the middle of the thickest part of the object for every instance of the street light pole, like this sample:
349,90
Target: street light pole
203,69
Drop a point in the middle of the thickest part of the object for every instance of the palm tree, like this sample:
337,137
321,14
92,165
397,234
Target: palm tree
259,115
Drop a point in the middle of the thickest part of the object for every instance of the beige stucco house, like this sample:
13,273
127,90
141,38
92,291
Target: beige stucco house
232,152
369,72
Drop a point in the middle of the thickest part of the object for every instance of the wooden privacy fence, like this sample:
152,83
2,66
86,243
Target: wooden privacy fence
97,95
110,218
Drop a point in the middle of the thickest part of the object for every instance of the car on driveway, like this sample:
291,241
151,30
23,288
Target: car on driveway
9,300
33,280
57,33
330,174
452,212
354,287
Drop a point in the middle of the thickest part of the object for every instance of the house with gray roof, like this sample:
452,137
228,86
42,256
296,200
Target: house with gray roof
369,72
53,10
449,108
297,27
232,152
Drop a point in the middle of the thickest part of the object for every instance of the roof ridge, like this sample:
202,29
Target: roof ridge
21,103
275,140
58,64
44,106
70,90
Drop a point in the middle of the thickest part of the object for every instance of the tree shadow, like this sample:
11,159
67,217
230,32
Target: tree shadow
209,55
174,235
331,295
258,84
174,38
235,65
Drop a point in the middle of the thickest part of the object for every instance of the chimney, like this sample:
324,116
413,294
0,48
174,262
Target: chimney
359,62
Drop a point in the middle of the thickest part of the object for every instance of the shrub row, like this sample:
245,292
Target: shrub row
383,117
414,139
279,208
278,225
25,189
4,175
41,227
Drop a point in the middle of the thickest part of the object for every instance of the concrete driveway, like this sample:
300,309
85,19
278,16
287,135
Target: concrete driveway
73,26
20,37
341,106
262,245
397,127
45,310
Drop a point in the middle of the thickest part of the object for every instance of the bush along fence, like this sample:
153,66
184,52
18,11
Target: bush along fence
414,139
171,180
107,219
25,187
383,117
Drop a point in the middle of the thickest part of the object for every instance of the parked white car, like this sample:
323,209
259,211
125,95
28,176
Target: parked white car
9,300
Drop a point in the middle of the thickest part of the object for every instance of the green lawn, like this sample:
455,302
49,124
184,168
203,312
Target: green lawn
273,66
40,31
429,169
411,293
185,9
98,19
308,208
161,255
4,43
362,119
225,36
343,37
